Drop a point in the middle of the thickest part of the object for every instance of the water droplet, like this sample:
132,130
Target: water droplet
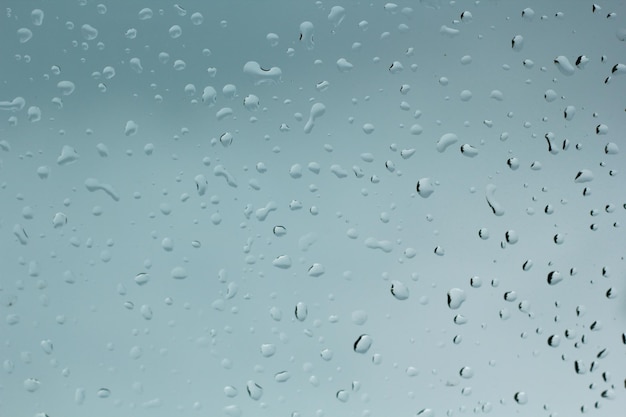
425,187
178,272
466,372
255,391
445,141
103,393
301,311
554,340
359,317
131,128
343,65
456,297
399,290
282,262
31,384
363,343
260,75
268,350
317,111
336,15
495,206
306,34
554,277
511,237
520,397
89,32
343,396
316,270
564,65
46,346
584,175
469,150
326,354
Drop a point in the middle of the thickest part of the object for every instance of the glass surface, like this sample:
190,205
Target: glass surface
305,209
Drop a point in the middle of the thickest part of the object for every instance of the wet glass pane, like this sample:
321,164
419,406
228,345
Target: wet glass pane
312,208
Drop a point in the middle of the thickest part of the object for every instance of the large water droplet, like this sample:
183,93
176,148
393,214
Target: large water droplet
363,343
456,297
399,290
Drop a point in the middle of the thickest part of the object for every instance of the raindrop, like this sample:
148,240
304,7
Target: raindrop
446,141
317,111
268,350
336,15
306,34
584,175
103,393
255,391
362,343
282,262
425,187
456,297
37,16
520,397
24,35
511,237
399,290
469,150
301,311
564,65
343,395
554,340
178,273
460,319
466,372
316,270
554,277
359,317
89,32
31,384
491,201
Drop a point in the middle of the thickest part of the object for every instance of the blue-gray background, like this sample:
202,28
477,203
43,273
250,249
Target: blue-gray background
81,337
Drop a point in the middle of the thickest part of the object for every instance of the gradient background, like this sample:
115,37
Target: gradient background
173,347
